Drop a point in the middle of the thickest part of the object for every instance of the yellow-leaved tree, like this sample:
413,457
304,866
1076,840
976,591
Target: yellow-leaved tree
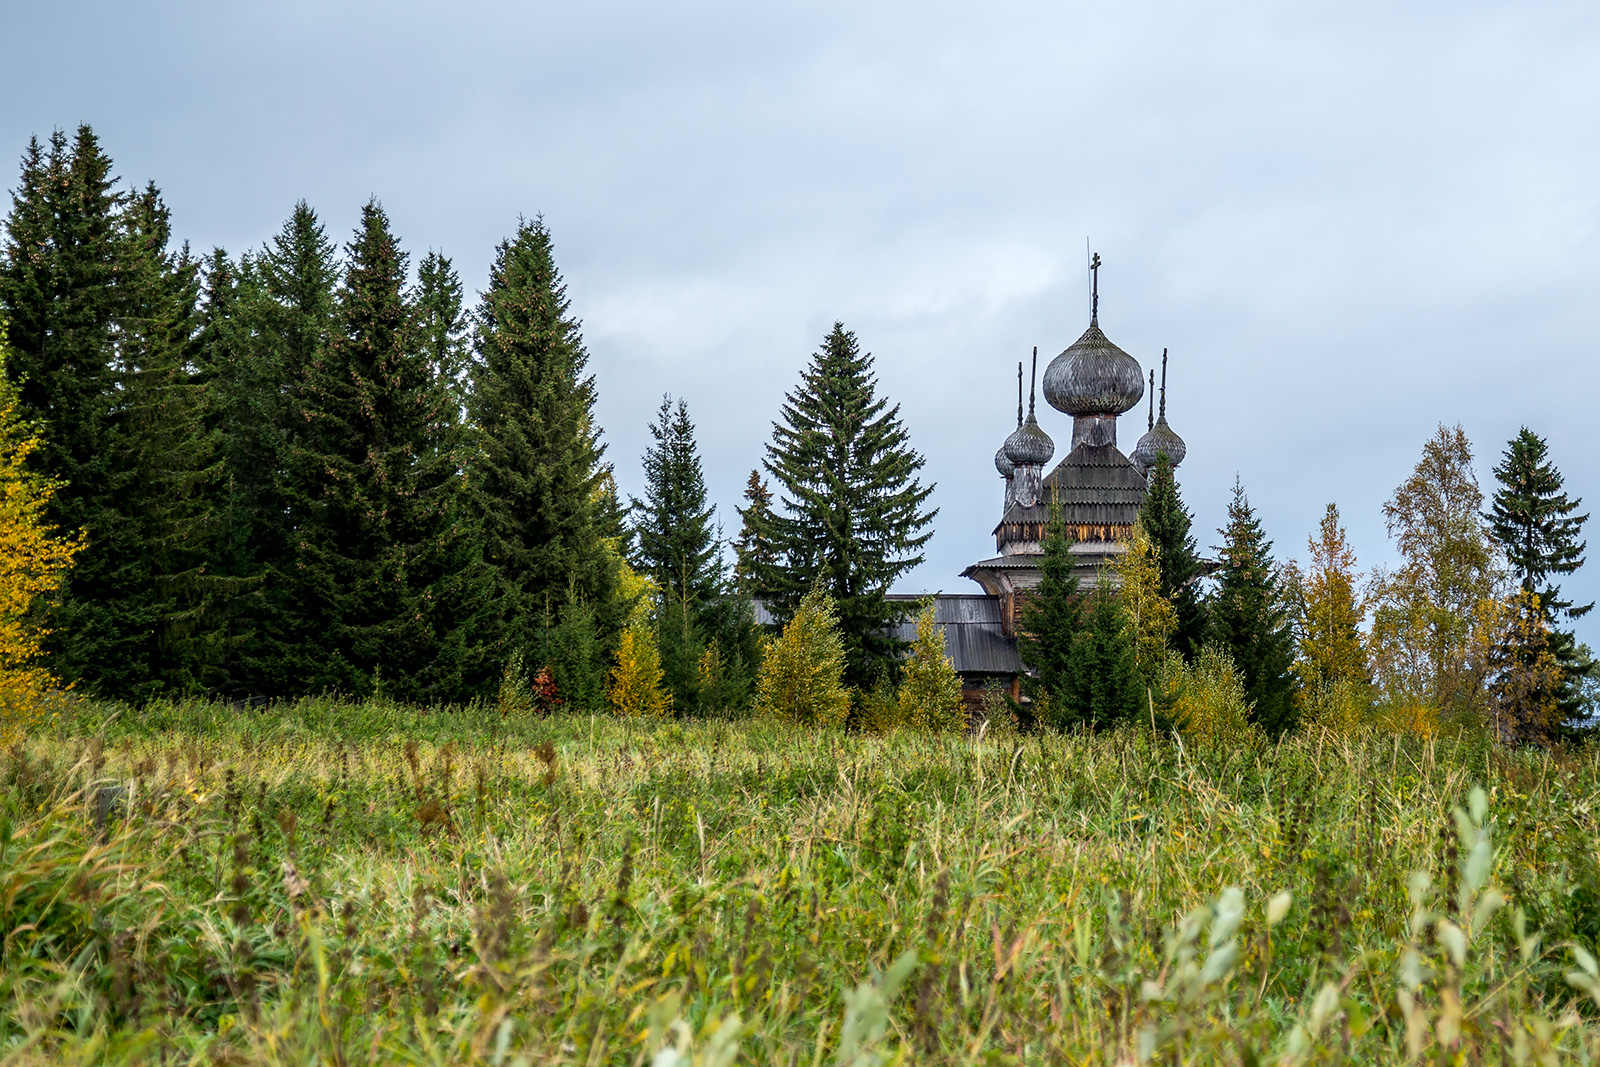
33,563
1151,616
635,691
930,688
802,672
1332,662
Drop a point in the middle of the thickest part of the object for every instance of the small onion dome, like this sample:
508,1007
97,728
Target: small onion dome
1028,445
1093,377
1002,464
1160,438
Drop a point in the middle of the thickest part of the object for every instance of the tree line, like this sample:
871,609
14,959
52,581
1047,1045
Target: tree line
1471,628
306,468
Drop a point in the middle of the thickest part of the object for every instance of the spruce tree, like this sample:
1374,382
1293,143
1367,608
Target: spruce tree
852,519
1249,619
385,570
539,485
1532,519
442,326
677,547
58,286
1167,521
754,556
1051,617
1105,688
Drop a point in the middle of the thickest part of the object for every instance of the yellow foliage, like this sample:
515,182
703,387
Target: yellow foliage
1331,651
930,688
1207,699
1151,615
802,672
1342,705
33,565
635,691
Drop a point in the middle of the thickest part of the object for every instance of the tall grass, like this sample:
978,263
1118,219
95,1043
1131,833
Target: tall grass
334,883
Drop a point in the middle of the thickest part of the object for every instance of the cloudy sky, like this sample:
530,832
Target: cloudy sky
1350,222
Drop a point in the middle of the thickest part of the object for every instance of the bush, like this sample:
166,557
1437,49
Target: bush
1207,699
930,688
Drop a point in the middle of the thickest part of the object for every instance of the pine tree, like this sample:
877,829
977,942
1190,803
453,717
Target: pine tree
753,553
1531,518
537,477
1166,521
1330,618
1051,617
1249,619
386,570
852,519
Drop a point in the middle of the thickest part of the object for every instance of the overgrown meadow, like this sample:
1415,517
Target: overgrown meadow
333,883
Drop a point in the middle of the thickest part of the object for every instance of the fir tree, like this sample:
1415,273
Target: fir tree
442,326
853,518
540,488
385,569
1532,519
1051,617
1104,688
1166,521
1249,619
753,553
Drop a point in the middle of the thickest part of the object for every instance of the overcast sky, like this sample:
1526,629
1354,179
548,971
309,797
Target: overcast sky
1348,221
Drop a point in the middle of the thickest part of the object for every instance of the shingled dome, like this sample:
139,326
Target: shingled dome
1002,464
1093,377
1160,438
1029,445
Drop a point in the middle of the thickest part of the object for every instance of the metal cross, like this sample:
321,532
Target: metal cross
1094,271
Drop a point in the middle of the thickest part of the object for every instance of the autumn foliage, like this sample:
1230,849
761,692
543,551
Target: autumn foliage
33,564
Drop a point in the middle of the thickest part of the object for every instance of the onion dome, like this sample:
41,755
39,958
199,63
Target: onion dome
1003,464
1161,437
1028,445
1093,376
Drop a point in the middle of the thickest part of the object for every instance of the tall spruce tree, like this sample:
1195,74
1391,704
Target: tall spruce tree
853,518
386,573
1106,688
1167,523
677,547
442,325
1532,519
1052,617
542,493
1249,620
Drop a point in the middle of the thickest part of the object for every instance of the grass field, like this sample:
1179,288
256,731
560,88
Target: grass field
338,884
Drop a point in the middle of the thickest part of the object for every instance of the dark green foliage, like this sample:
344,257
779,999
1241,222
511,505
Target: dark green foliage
852,519
1250,621
1052,616
1167,522
538,484
753,552
1105,687
385,570
675,544
102,323
1532,519
442,326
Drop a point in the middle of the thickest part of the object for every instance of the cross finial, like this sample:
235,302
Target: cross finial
1094,289
1032,377
1150,424
1019,392
1163,384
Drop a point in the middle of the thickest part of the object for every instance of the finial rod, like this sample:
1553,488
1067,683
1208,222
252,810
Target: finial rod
1019,392
1150,423
1094,288
1032,378
1163,384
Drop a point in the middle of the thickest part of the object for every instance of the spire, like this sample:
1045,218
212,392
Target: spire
1094,289
1019,392
1163,384
1150,423
1031,378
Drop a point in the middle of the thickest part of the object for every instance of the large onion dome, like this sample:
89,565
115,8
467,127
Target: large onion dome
1029,445
1093,377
